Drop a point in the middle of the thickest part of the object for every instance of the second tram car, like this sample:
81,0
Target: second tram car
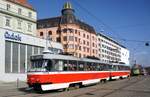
51,72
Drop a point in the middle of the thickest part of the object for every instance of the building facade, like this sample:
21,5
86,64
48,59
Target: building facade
18,15
111,51
77,37
17,39
125,55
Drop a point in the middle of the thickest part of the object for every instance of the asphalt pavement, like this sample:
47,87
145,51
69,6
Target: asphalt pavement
138,86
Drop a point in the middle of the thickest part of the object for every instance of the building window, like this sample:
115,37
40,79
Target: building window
65,38
71,30
8,7
88,43
93,51
19,11
58,31
87,36
71,38
19,24
65,30
7,57
83,41
29,53
15,58
71,46
80,48
49,32
76,47
93,37
80,55
76,39
76,31
79,32
84,35
29,14
29,27
7,22
84,49
93,45
22,58
88,50
35,50
58,39
41,33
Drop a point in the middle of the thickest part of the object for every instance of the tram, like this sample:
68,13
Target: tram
52,72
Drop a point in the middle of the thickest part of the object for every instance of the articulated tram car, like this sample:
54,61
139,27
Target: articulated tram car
51,72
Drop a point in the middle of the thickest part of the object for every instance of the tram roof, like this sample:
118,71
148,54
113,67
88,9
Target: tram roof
67,57
120,64
58,56
92,60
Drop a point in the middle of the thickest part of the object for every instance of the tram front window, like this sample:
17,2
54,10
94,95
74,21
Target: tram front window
38,65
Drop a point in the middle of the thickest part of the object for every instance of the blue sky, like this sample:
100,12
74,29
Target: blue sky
123,20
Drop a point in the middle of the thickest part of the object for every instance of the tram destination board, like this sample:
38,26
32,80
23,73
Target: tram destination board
36,57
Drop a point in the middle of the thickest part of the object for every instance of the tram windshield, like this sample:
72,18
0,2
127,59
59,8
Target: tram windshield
38,65
46,65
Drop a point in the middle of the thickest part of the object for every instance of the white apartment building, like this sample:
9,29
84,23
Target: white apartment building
111,51
125,55
18,15
17,39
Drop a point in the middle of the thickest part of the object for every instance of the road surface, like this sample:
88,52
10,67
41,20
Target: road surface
134,87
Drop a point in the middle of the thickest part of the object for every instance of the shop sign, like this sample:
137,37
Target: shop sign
12,36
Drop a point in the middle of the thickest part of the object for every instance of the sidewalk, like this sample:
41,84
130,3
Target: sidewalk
12,85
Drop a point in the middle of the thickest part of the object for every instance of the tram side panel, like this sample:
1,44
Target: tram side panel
119,74
68,77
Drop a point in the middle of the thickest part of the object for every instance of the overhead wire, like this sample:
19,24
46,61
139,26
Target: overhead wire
107,26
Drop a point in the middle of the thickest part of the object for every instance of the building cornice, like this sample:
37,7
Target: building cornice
23,5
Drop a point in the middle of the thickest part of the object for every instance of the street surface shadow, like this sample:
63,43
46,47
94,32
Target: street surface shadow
31,90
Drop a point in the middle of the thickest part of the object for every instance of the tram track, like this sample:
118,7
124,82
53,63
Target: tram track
91,90
114,90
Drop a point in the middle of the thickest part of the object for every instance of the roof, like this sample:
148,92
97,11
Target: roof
55,21
23,3
67,5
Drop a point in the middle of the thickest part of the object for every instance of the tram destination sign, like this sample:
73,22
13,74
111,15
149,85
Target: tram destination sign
36,57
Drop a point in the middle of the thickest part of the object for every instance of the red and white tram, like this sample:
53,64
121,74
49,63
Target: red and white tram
50,71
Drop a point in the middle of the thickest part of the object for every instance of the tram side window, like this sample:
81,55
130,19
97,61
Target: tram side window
49,65
114,67
58,65
65,67
72,65
81,66
87,66
93,66
110,67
